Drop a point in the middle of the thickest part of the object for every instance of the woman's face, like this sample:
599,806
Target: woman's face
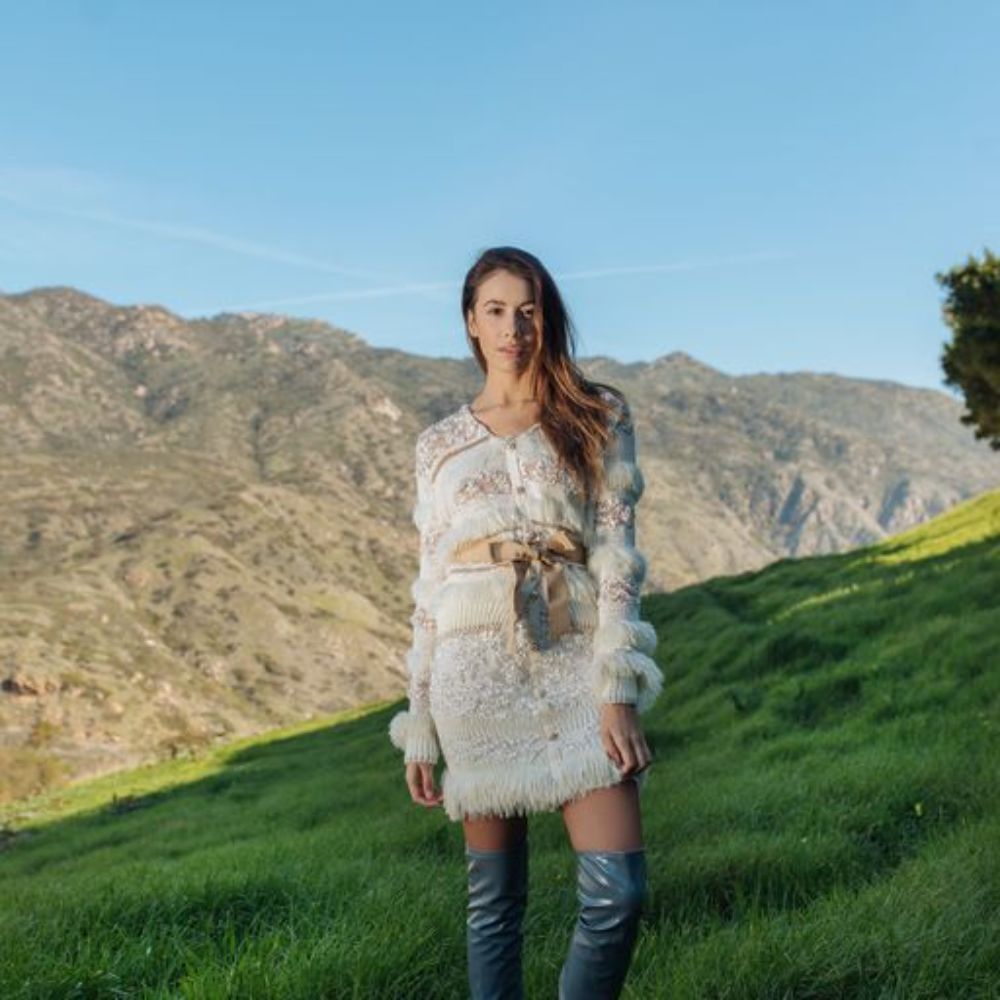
505,322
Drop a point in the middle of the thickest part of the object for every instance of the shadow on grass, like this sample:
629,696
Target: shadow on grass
815,734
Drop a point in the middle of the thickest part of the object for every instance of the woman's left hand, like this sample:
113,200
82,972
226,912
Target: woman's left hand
623,738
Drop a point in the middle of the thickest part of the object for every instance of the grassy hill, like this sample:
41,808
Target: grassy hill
822,819
185,503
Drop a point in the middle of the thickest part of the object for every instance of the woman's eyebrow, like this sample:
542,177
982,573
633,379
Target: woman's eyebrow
500,302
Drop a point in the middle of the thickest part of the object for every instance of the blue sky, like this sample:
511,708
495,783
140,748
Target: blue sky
767,186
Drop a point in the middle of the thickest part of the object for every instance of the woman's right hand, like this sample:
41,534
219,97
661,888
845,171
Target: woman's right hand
420,781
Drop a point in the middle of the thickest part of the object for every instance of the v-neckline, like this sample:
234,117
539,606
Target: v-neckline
493,433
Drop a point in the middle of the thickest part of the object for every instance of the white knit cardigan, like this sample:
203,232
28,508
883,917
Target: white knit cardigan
604,592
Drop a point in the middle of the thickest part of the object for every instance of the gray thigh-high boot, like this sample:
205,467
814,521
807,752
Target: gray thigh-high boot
498,894
611,887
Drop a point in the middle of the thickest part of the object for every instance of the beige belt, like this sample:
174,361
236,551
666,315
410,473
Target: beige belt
547,560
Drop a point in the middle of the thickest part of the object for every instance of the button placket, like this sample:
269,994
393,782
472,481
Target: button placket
514,466
545,716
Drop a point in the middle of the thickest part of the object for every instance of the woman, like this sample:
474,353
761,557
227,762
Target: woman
529,664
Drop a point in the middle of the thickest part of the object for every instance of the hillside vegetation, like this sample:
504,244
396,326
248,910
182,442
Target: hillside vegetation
187,502
822,819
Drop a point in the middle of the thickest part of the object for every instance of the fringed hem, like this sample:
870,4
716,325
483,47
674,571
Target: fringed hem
511,789
415,735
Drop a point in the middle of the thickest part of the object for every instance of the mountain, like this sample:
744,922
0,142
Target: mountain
821,818
205,525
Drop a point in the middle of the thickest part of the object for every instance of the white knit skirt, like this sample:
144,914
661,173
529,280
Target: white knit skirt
518,734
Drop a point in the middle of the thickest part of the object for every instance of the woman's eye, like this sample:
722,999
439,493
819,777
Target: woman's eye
526,313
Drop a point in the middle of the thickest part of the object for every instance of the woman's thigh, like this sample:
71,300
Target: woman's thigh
606,819
494,833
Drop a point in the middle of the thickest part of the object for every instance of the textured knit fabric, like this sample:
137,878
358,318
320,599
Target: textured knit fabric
521,733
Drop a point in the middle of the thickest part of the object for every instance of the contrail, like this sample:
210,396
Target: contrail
432,290
362,293
604,272
208,237
684,265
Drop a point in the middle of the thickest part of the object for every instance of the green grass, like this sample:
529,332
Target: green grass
821,820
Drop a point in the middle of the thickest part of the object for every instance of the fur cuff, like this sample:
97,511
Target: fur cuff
415,735
622,690
616,671
625,633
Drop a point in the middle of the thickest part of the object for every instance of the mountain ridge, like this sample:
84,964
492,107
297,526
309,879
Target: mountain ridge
187,503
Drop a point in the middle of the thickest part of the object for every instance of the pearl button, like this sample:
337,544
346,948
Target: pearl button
553,736
511,444
520,489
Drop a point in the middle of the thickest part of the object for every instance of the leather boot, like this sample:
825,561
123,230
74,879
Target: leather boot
498,895
611,887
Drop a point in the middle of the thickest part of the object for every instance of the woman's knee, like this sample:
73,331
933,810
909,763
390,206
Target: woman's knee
493,833
611,886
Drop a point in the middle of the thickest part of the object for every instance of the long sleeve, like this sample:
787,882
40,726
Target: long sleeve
623,669
412,730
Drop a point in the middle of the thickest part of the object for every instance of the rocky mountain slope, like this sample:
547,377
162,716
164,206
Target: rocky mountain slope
205,524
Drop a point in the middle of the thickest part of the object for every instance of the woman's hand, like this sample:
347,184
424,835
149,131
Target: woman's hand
420,781
623,738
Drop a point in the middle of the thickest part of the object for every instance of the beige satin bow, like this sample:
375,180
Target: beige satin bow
547,559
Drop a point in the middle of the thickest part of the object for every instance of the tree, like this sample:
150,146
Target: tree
971,360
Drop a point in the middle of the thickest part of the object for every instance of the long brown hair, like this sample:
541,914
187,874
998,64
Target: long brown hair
574,415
